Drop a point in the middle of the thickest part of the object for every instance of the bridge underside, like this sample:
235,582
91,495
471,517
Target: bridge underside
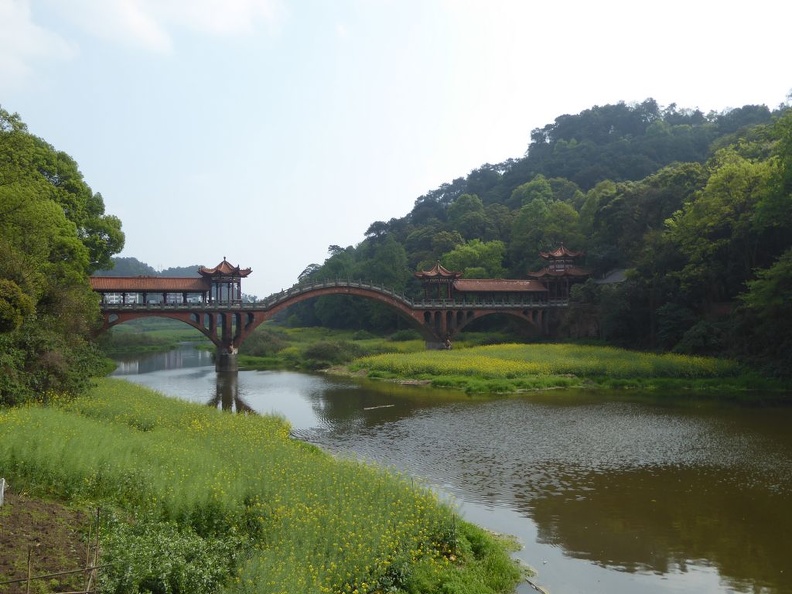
228,329
444,324
228,325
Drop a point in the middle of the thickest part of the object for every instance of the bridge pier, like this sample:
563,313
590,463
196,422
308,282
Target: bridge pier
434,345
226,360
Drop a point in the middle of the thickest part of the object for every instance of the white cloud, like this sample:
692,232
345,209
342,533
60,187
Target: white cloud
23,44
219,17
150,24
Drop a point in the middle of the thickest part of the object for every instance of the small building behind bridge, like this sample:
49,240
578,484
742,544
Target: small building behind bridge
550,284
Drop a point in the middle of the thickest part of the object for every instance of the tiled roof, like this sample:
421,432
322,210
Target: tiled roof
561,252
493,285
574,271
162,284
437,271
224,269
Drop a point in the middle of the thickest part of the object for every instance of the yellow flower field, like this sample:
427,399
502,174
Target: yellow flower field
246,507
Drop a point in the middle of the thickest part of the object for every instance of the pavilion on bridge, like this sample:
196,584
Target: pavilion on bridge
219,285
552,283
561,272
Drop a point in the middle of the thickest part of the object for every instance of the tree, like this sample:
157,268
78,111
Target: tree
386,264
53,234
540,226
767,314
127,267
717,231
467,216
485,257
537,188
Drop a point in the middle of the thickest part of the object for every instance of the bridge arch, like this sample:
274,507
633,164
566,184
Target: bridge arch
227,325
205,322
394,301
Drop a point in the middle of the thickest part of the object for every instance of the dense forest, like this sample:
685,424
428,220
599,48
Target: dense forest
53,234
694,208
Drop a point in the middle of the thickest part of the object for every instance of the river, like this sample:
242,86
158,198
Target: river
608,493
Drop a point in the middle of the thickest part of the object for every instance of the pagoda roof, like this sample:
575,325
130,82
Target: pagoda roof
561,252
161,284
570,271
498,285
224,269
438,271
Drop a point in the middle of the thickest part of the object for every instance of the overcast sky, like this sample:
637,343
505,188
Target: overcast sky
264,131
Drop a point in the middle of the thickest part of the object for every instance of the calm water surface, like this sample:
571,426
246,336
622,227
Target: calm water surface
607,493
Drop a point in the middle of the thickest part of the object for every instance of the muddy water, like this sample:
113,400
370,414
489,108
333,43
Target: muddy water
607,493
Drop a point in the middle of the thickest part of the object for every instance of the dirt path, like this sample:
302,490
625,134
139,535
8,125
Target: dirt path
56,537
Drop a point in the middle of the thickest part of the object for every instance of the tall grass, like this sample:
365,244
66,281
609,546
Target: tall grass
511,367
296,519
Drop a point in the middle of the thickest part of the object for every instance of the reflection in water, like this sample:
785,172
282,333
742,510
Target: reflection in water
614,495
668,519
227,394
175,359
631,488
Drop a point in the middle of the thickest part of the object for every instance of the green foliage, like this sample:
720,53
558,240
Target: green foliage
507,368
15,306
485,257
403,335
326,353
127,267
636,187
466,215
767,316
717,233
53,233
265,342
163,558
187,517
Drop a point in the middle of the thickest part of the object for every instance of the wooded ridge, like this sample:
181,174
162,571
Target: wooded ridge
693,209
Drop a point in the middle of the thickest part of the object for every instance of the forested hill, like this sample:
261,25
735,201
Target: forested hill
696,207
134,267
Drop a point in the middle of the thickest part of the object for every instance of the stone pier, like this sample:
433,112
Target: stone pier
226,360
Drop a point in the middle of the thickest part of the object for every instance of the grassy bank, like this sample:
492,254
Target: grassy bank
195,500
507,368
148,335
308,349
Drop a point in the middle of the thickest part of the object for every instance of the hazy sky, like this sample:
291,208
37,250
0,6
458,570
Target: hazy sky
266,130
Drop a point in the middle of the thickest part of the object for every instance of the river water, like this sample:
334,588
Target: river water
607,493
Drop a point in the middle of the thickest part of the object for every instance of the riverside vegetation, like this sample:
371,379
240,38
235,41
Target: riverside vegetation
479,363
492,363
195,500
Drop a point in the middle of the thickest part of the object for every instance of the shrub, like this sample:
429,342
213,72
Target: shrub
264,342
405,335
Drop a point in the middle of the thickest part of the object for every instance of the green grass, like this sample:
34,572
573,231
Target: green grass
238,505
506,368
276,347
148,335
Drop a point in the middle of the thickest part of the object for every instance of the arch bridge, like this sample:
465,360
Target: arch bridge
228,322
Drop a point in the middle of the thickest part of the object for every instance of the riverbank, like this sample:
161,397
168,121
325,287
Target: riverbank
514,368
482,363
278,515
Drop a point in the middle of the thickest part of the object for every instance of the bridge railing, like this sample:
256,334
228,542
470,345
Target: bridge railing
285,295
334,283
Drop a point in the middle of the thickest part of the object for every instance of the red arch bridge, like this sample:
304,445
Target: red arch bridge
228,322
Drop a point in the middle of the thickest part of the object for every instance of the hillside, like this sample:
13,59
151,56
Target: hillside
695,209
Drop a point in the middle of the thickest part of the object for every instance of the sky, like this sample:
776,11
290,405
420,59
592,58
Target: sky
264,131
